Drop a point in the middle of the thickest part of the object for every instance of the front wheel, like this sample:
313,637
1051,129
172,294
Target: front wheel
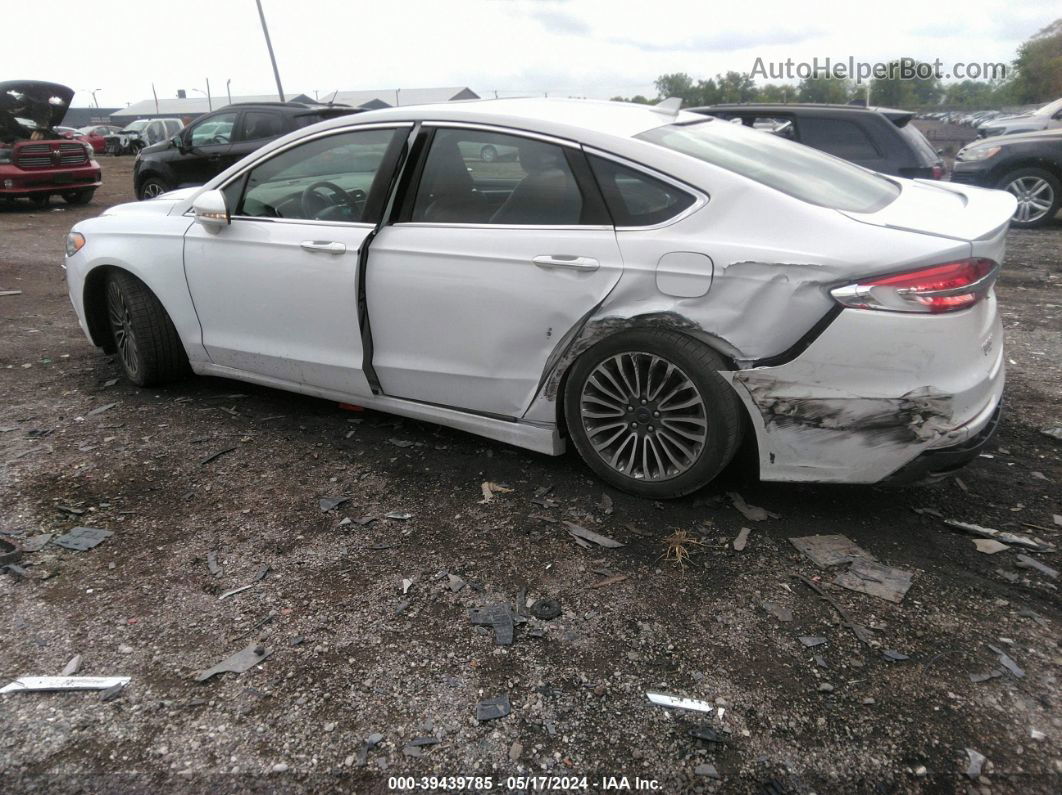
79,196
650,414
147,344
1039,195
151,188
488,154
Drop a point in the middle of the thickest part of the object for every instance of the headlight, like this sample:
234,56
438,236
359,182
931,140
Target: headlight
89,151
977,153
5,155
74,242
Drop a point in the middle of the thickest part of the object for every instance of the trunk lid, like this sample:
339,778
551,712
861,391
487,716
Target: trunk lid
944,209
44,104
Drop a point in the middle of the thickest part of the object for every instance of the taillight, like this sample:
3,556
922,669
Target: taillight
938,172
938,288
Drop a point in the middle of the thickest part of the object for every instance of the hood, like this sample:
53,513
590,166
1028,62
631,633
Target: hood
45,104
944,209
1024,137
160,205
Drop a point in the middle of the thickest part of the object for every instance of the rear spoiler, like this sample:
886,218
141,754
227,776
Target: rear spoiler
897,117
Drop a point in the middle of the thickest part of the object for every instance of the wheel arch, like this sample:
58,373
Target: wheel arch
1029,161
95,302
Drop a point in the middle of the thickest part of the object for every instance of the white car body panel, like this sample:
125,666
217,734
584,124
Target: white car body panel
465,325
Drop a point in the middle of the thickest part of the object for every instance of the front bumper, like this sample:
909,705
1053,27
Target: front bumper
17,183
981,178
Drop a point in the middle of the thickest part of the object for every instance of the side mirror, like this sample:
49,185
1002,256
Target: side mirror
210,210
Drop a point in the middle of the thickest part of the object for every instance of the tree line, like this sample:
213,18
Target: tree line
1035,76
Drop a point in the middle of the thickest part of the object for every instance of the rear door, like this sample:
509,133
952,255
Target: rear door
494,256
256,128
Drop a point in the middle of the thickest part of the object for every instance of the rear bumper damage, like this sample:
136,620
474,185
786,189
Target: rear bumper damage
879,397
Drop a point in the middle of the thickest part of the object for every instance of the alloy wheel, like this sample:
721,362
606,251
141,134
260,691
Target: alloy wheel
644,416
122,328
1035,197
152,189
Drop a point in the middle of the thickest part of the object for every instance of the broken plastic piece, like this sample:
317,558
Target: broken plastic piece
742,539
493,708
235,591
977,760
678,702
751,512
778,611
237,663
82,538
894,656
1025,562
498,616
45,683
874,579
988,546
215,456
830,550
1007,662
331,503
398,515
582,535
73,666
212,564
812,640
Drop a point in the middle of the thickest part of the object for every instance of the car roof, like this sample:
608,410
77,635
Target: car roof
574,119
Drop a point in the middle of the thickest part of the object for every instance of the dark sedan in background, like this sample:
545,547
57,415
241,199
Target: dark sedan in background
1029,165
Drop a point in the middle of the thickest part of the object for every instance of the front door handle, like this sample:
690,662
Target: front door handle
326,246
566,261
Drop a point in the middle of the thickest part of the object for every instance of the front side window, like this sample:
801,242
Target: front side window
326,179
215,130
479,177
794,169
634,198
838,137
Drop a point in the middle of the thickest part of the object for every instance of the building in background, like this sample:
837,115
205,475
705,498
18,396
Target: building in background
188,108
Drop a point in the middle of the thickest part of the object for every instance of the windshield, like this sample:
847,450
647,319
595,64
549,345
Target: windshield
1050,109
800,171
137,126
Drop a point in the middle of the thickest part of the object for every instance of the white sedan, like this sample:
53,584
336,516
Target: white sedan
657,287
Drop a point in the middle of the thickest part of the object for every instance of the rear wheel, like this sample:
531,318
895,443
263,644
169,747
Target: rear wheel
79,196
146,342
488,154
650,414
1039,195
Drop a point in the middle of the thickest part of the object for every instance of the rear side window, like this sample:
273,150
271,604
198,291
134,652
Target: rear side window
799,171
634,198
838,137
260,125
926,153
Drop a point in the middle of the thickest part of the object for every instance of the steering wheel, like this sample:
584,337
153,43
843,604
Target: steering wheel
313,203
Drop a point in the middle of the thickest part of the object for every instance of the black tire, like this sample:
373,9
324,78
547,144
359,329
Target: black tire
151,187
1052,190
146,343
714,404
488,154
41,199
79,196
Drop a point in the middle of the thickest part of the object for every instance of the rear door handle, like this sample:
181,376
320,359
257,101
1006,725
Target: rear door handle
566,261
326,246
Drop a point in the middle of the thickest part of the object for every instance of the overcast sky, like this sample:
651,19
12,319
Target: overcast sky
594,48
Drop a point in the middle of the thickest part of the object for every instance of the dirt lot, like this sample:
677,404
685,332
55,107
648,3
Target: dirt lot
352,655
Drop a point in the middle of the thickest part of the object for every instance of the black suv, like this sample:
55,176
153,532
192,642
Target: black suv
881,139
213,142
1029,165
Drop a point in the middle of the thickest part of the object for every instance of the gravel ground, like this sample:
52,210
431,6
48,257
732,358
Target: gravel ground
352,654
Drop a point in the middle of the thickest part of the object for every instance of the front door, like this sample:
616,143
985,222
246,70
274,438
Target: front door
276,290
503,247
207,145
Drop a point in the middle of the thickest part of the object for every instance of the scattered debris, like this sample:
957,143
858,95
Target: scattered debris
212,564
977,760
613,580
778,611
988,546
70,509
398,516
861,632
10,552
327,504
812,640
1055,432
401,442
237,663
677,547
894,656
742,539
263,570
1025,562
546,609
456,583
215,456
82,538
407,583
708,734
490,489
875,579
498,616
987,532
678,702
100,410
235,591
750,512
4,293
36,543
111,693
978,678
73,666
492,708
605,505
825,687
582,536
1007,662
45,683
830,550
371,742
706,769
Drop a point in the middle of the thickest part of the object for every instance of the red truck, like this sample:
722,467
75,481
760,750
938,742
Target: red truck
36,162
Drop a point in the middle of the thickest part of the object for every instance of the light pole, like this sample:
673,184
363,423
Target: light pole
269,46
227,92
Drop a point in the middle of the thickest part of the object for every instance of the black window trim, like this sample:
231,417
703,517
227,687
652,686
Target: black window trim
581,171
242,174
700,198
